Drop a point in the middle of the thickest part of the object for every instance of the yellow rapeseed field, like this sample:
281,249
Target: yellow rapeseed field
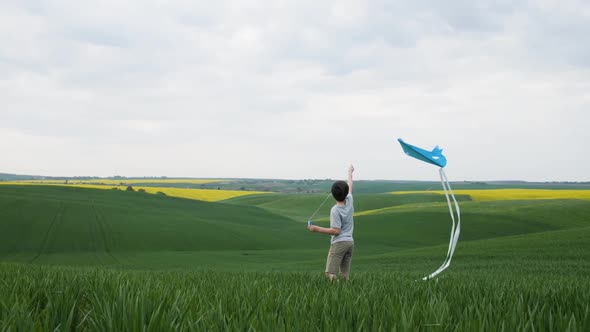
127,181
209,195
512,194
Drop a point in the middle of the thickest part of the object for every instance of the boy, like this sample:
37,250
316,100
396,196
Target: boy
341,227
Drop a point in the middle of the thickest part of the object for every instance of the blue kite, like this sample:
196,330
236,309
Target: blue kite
435,157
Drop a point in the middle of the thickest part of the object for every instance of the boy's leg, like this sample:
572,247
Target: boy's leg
330,276
335,256
347,260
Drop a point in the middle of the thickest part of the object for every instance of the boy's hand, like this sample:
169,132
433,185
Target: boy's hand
350,169
312,228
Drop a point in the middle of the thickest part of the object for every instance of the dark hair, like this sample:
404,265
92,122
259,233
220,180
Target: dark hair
340,190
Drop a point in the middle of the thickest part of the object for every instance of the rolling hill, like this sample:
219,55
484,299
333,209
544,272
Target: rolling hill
79,226
38,221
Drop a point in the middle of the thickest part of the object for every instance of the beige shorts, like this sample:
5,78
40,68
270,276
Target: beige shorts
340,257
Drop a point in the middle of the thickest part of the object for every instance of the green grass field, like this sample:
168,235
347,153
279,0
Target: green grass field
84,259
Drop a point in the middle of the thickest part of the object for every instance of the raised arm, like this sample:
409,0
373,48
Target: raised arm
350,170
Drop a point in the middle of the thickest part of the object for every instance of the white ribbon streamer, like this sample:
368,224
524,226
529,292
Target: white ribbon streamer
454,231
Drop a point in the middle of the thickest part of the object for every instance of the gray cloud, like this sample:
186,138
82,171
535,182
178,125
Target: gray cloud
294,89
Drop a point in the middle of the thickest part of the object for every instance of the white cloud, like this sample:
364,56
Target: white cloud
295,89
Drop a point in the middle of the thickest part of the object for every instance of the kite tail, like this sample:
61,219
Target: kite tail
454,238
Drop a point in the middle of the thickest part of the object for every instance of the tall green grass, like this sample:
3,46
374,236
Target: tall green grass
51,298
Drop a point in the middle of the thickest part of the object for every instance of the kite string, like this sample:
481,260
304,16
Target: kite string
316,211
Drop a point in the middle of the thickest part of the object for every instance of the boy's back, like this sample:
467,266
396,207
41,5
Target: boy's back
341,216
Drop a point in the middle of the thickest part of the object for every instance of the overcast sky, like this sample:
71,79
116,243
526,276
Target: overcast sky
295,89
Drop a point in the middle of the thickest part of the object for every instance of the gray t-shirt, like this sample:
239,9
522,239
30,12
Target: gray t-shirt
341,217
